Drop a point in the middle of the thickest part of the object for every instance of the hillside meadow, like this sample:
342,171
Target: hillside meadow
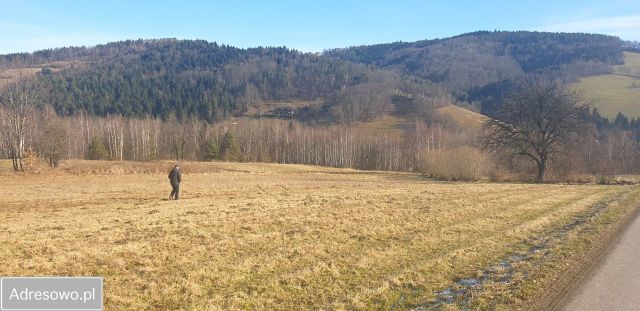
617,92
275,237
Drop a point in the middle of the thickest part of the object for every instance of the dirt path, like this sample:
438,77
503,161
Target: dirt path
615,283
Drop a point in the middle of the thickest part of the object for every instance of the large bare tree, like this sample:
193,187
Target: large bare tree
534,121
17,104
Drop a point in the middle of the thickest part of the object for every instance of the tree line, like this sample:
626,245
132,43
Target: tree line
143,139
30,126
541,130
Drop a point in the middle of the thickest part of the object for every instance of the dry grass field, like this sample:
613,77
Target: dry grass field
7,76
386,124
398,124
266,236
463,117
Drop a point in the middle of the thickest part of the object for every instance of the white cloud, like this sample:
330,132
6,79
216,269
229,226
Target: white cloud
626,27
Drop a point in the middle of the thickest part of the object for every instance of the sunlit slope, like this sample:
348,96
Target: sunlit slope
617,92
463,117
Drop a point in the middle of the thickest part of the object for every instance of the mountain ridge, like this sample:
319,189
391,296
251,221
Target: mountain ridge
165,77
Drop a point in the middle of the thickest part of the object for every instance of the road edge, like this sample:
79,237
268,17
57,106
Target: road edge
554,297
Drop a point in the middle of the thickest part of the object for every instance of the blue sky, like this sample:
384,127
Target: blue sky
311,26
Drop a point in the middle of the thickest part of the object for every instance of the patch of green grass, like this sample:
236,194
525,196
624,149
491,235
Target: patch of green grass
631,65
613,93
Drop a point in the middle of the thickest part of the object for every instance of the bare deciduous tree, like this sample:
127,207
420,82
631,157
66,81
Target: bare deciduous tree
534,121
52,137
19,101
177,134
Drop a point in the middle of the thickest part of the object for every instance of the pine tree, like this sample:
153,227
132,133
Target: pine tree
97,150
211,150
229,149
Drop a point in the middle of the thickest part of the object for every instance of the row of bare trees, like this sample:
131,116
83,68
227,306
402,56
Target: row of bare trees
118,138
26,122
20,101
538,127
264,140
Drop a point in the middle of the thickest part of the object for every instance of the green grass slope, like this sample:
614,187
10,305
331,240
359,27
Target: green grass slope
617,92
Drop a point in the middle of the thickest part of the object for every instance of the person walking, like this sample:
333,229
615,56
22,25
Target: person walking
175,178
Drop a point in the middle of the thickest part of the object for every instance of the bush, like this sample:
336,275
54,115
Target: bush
460,163
604,179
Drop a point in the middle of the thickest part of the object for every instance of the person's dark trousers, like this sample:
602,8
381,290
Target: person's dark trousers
175,191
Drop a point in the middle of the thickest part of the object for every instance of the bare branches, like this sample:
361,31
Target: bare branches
19,101
534,121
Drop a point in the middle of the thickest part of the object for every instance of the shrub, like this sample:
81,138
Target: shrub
460,163
604,179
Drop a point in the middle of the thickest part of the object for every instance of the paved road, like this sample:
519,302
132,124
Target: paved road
615,283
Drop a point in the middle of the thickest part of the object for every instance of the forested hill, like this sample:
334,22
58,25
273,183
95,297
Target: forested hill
475,60
211,81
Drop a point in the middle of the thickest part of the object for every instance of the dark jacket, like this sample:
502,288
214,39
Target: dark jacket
174,176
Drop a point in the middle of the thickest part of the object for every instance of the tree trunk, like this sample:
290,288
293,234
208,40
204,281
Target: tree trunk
14,161
542,167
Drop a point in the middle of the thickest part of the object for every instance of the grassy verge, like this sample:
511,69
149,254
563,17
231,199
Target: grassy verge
553,259
578,251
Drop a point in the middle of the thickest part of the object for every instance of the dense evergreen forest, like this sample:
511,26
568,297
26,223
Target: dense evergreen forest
210,81
169,77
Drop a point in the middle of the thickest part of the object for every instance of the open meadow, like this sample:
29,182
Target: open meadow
616,92
267,236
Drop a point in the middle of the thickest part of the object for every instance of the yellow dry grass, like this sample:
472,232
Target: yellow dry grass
386,124
8,76
266,236
463,117
397,124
